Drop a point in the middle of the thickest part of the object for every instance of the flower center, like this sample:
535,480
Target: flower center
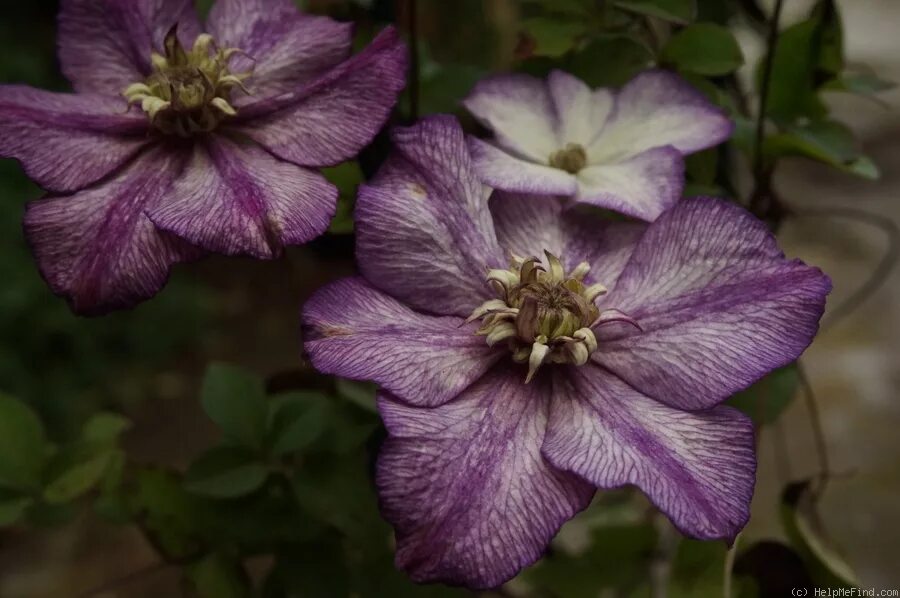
544,315
188,92
572,158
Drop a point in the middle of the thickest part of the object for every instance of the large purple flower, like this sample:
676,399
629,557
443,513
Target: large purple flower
619,150
178,141
499,431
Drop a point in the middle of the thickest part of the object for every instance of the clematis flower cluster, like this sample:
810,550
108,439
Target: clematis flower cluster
179,141
528,354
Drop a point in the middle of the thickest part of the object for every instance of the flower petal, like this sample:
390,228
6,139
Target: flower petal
581,111
718,303
659,108
332,117
238,199
465,487
527,225
424,232
105,45
284,47
698,468
67,141
358,332
97,249
520,112
643,186
502,170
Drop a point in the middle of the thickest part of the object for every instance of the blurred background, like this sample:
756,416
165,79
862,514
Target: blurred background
147,364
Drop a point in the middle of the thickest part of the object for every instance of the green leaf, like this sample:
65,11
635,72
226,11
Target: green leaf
311,570
23,445
444,85
76,473
12,507
361,394
701,166
298,419
807,534
235,399
864,83
676,11
346,177
825,141
168,515
104,429
553,37
705,49
219,576
225,472
766,400
611,60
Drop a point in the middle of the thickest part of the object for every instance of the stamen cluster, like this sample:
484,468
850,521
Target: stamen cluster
189,91
541,313
571,158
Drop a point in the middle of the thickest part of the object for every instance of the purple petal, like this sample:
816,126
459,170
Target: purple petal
502,170
67,141
358,332
659,108
581,111
643,186
97,249
719,305
331,118
698,468
284,47
424,232
519,111
470,497
238,199
527,225
105,45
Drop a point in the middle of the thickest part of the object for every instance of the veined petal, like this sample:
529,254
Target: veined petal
719,304
654,109
528,225
698,468
519,110
502,170
283,47
424,232
643,186
355,331
333,116
581,111
97,248
67,141
105,45
238,199
470,497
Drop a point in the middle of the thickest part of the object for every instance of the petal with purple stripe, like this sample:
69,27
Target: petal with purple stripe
67,141
719,304
238,199
105,45
470,497
335,115
97,248
424,231
502,170
284,48
698,468
355,331
581,111
643,186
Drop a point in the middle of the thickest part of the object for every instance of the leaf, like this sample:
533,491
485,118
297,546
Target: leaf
23,445
76,472
611,60
444,85
346,177
705,49
298,419
311,570
807,534
825,141
676,11
766,400
361,394
168,515
553,37
235,400
219,576
225,472
104,429
12,507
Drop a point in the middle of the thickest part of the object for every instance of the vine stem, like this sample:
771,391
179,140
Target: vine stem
730,557
762,174
815,420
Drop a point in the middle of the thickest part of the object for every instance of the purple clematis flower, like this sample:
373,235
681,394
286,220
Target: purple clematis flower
178,141
618,150
527,355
